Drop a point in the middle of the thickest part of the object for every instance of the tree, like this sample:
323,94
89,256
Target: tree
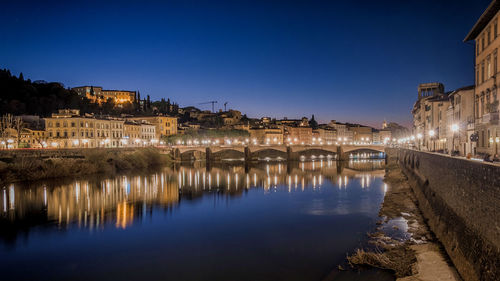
21,77
313,123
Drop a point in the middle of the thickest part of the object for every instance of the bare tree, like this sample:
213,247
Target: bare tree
9,124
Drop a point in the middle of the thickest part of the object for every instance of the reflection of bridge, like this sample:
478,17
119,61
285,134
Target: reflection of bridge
256,152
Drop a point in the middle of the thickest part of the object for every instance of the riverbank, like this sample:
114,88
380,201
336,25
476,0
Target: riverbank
92,162
402,241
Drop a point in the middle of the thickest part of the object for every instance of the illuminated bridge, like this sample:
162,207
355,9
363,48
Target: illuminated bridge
262,152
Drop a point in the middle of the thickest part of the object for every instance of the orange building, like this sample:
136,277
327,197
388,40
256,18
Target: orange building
98,95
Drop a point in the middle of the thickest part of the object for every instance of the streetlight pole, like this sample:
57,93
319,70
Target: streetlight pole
497,140
454,129
431,135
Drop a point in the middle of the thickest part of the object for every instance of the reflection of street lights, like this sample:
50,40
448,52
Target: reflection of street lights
454,129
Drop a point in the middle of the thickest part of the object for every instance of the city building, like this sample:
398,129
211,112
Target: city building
165,125
31,138
326,135
298,135
384,136
98,95
461,117
68,129
266,135
485,35
344,135
429,117
362,134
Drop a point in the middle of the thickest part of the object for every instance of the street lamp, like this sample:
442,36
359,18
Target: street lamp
432,133
454,129
419,137
497,140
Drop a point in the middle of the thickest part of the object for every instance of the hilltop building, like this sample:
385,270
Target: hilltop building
98,95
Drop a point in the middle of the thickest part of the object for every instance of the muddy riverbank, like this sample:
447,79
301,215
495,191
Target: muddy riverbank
99,161
402,241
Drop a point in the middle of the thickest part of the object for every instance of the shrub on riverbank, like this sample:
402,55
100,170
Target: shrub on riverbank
93,162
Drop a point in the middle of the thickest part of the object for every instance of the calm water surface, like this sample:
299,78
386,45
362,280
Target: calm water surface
270,221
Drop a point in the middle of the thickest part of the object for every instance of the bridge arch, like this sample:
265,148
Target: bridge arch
229,153
269,153
192,154
376,148
317,153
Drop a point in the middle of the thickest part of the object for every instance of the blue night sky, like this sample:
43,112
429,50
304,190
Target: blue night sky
358,61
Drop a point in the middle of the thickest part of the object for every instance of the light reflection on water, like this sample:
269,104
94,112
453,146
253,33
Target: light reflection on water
264,199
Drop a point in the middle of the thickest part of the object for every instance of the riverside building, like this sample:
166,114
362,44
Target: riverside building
485,35
67,129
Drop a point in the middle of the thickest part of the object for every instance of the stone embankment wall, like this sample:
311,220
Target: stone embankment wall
461,200
9,155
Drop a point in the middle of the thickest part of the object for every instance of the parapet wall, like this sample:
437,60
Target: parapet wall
461,200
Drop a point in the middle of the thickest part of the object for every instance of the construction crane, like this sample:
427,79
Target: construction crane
212,102
225,106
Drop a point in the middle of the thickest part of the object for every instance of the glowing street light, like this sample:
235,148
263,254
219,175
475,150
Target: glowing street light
454,129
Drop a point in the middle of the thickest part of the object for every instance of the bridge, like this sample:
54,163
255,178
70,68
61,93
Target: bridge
262,152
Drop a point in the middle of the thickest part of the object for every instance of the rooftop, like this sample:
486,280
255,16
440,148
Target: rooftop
483,20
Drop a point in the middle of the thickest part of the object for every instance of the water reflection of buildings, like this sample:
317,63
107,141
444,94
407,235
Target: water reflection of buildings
123,199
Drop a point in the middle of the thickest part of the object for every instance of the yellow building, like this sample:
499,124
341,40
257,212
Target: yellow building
32,138
298,135
132,132
164,125
67,129
266,135
485,34
98,95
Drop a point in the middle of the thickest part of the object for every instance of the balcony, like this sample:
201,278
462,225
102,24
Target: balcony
490,118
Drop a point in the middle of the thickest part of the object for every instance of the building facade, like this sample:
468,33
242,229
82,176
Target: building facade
98,95
299,135
485,35
67,129
164,125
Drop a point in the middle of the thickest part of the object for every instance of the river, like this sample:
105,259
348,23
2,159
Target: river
267,221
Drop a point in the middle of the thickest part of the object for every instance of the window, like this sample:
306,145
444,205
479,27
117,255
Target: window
489,35
495,30
488,67
482,72
57,124
495,64
482,105
477,107
72,124
482,43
